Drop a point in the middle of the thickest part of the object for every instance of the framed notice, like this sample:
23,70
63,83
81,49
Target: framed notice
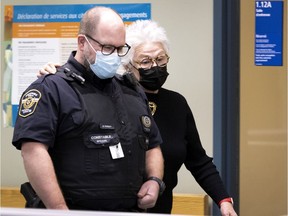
268,33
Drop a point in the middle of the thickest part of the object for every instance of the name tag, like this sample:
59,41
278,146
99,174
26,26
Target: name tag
104,139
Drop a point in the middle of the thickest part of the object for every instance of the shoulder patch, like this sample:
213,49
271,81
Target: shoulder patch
29,102
146,123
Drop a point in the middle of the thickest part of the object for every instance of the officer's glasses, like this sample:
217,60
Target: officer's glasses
147,63
109,49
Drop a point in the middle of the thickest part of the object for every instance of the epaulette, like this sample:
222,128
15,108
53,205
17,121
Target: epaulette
69,74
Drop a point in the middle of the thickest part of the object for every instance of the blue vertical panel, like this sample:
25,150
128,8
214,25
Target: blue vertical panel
226,52
268,33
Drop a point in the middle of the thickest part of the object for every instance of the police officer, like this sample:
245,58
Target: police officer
87,138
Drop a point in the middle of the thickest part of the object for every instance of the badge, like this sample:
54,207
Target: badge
146,123
152,107
116,151
29,102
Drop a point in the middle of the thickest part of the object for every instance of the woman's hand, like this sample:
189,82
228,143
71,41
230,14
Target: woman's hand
49,68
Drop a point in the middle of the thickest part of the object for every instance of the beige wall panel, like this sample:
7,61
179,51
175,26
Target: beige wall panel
263,126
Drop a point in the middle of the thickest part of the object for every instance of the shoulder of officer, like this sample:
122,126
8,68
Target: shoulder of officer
68,73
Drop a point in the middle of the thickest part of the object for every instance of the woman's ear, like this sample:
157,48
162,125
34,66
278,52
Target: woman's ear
127,67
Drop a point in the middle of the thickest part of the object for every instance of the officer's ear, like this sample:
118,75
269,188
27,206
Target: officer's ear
81,41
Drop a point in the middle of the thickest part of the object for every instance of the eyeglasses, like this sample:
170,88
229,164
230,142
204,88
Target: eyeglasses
160,61
109,49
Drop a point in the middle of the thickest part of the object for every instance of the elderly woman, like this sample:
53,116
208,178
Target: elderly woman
148,59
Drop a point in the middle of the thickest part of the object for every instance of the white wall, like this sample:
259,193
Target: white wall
189,25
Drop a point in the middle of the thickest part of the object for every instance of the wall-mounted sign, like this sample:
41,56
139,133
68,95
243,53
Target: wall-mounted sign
37,34
268,33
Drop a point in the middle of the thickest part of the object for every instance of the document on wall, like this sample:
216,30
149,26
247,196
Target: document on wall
268,33
37,34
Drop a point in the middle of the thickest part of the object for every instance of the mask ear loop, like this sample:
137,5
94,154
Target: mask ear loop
130,63
90,47
129,67
88,42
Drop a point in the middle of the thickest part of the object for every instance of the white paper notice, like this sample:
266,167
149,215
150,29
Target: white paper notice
29,55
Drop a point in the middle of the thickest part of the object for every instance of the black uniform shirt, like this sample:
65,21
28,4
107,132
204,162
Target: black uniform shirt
74,120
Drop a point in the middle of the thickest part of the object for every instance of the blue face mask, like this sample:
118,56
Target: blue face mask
105,66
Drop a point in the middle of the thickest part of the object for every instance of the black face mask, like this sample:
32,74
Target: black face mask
153,78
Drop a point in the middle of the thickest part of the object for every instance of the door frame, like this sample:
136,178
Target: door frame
226,97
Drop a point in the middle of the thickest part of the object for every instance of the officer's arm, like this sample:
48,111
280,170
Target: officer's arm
148,194
41,174
154,163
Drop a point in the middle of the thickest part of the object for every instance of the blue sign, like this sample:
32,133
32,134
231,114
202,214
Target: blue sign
268,33
74,13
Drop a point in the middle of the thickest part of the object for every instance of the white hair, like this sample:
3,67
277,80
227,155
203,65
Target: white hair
142,31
